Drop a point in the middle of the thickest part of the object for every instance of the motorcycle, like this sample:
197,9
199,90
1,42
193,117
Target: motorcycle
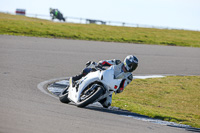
94,87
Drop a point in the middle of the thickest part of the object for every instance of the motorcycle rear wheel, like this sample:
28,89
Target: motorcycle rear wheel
98,91
63,97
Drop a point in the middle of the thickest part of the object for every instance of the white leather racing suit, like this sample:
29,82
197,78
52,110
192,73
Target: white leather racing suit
118,74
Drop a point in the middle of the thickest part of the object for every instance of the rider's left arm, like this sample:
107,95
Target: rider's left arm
109,62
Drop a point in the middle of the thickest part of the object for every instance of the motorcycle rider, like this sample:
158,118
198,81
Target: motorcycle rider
122,70
55,13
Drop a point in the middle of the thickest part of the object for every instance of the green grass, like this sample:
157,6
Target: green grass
173,98
25,26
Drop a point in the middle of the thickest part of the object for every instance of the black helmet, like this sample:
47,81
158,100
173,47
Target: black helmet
130,63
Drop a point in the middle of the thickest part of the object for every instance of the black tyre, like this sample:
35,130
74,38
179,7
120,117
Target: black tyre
63,97
90,95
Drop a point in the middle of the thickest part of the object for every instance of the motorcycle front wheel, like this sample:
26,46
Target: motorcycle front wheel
90,95
63,97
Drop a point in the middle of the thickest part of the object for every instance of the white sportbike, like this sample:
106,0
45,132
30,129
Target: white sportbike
94,87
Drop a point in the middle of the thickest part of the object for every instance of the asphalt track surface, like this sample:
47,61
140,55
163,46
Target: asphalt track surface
27,61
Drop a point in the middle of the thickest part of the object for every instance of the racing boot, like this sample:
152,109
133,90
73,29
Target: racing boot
77,77
106,102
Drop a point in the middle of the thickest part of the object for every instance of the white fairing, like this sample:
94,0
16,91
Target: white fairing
105,77
84,82
109,81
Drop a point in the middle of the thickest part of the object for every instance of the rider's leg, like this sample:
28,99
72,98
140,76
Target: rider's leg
106,102
82,74
77,77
